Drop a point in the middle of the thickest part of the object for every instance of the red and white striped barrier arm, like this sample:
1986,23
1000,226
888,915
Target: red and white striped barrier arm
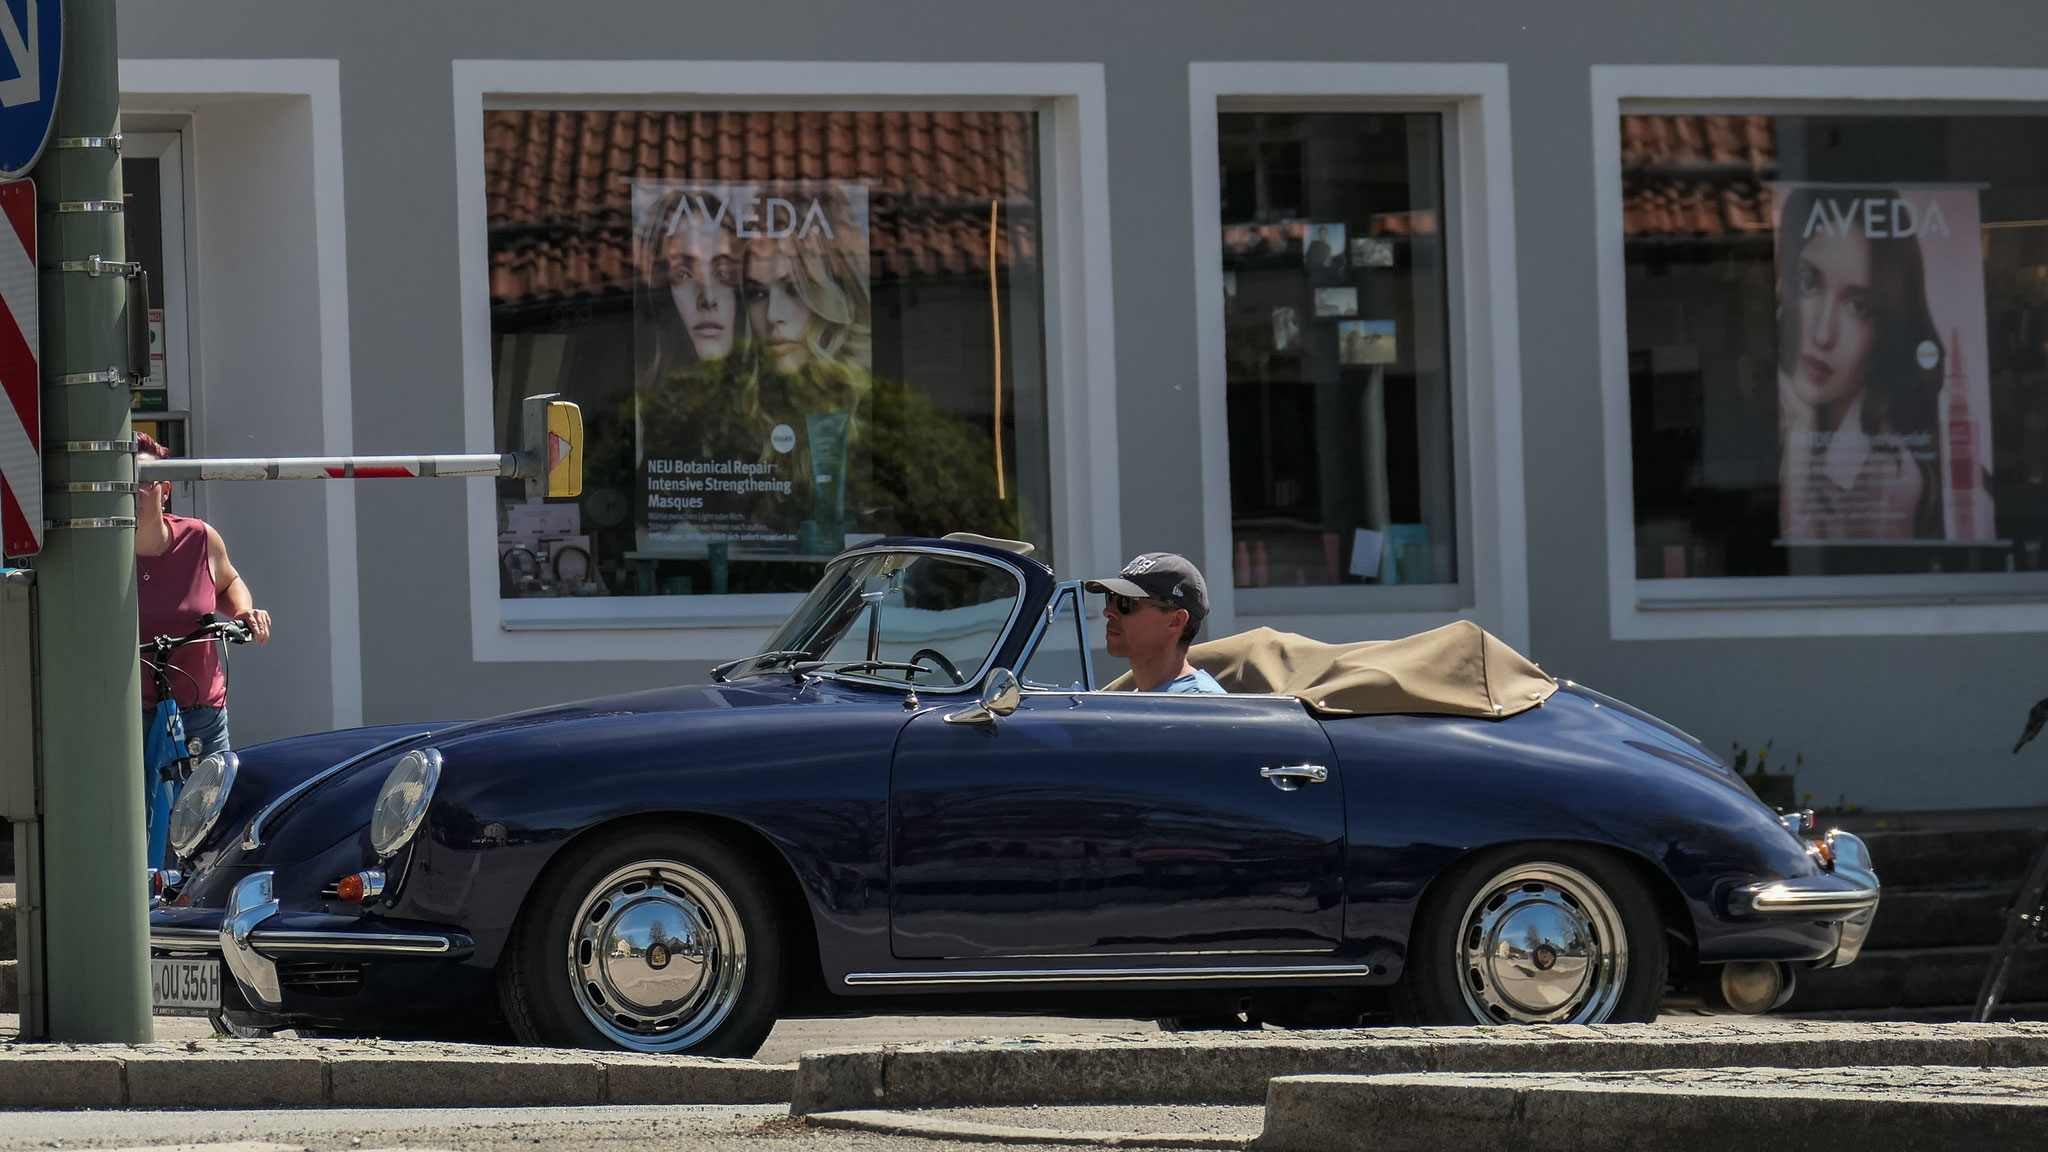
512,465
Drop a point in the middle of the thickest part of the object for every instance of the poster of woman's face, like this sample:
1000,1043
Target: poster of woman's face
702,269
753,345
1883,393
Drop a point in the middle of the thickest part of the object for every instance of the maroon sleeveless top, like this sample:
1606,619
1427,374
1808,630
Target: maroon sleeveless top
176,589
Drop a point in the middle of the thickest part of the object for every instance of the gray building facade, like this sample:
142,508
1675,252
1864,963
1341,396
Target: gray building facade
1387,315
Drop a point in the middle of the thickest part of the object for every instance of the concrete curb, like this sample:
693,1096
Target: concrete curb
1417,1113
930,1128
1227,1068
371,1074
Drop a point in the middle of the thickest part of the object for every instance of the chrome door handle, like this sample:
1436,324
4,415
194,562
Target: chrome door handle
1291,776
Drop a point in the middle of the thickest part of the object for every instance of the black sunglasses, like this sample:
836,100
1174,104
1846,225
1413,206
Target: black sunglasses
1125,605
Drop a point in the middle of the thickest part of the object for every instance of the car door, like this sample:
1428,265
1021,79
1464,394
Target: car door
1117,824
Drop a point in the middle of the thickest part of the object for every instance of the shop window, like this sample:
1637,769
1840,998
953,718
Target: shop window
789,331
1837,346
1336,345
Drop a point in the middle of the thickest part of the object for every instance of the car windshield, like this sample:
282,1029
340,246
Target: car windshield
925,618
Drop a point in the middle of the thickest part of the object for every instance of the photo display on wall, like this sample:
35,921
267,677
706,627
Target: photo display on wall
1339,395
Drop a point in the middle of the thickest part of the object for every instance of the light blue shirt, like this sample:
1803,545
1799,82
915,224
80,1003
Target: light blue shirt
1194,683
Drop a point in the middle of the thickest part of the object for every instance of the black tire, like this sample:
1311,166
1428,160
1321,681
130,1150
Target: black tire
1600,955
710,989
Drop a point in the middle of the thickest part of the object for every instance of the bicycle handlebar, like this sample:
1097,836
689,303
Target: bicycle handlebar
210,628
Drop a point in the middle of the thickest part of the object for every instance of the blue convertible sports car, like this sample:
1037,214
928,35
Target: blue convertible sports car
916,798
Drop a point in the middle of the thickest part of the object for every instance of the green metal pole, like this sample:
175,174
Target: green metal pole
97,920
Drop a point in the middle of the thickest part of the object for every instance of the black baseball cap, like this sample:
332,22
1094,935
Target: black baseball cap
1160,576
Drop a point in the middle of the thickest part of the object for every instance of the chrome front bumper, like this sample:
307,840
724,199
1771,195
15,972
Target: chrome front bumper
249,948
1847,894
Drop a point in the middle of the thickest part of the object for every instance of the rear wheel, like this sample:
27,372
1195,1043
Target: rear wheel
659,940
1536,934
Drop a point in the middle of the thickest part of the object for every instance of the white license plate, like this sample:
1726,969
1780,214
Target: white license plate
184,985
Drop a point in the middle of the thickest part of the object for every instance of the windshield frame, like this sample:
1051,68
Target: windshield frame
1045,617
972,680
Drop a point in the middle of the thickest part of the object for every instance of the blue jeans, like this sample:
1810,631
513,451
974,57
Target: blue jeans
206,729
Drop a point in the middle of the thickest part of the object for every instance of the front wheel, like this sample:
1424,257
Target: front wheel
1541,934
660,940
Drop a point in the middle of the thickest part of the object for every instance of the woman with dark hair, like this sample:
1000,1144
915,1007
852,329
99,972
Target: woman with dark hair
1860,366
686,256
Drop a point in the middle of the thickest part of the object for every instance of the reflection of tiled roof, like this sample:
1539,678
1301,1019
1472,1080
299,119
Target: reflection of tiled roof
557,185
1696,176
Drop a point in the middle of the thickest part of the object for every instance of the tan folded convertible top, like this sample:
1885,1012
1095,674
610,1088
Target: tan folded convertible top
1459,669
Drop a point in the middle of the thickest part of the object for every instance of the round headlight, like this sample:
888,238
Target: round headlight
403,802
199,805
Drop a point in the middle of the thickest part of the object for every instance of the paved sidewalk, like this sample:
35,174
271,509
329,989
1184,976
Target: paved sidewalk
1234,1068
368,1073
1899,1109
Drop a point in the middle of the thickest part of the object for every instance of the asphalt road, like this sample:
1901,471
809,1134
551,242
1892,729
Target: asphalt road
759,1127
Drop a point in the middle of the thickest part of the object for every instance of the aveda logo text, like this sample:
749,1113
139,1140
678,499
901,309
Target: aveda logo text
753,217
1874,217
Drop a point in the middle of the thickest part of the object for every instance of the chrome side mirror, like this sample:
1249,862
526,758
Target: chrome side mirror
1000,695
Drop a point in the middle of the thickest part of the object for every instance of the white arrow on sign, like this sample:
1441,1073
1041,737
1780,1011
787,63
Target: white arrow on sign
26,88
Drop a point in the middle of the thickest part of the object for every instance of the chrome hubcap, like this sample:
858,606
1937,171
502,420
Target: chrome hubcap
657,956
1542,944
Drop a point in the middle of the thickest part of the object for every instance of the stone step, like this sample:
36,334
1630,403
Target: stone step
1917,978
1937,917
1953,857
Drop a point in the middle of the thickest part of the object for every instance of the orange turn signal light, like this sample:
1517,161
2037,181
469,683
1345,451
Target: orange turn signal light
360,887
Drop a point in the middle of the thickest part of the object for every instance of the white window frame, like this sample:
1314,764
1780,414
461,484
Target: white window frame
161,90
164,141
1483,328
1771,606
1079,322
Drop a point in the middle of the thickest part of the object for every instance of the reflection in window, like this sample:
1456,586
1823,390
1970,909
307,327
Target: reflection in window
1836,333
1334,299
789,332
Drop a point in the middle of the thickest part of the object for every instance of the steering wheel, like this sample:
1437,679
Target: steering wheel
938,658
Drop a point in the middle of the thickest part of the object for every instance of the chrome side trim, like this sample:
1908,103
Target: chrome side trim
185,939
1782,898
1110,975
253,838
281,941
368,943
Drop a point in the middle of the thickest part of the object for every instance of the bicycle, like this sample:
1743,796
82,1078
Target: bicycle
166,758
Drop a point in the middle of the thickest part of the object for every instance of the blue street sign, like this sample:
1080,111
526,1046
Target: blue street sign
32,32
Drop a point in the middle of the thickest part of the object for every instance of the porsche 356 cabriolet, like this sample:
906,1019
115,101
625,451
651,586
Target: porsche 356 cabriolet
918,797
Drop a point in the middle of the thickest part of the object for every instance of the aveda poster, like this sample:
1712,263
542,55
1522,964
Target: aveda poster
1883,392
752,340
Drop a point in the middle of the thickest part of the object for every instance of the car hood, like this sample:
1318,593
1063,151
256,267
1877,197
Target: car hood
339,808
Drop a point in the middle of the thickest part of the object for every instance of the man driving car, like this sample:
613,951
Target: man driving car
1152,610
